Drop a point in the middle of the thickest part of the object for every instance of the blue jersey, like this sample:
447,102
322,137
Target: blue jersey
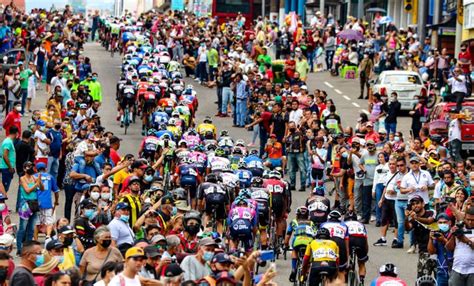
160,134
245,177
159,117
253,161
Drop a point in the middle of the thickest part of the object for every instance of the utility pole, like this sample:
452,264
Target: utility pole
422,15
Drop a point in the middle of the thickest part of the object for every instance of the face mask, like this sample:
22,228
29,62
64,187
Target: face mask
106,243
444,227
292,130
124,218
371,149
67,241
18,108
60,258
192,229
174,211
39,260
396,138
30,171
89,214
2,207
95,196
148,178
105,196
3,275
94,78
207,256
57,126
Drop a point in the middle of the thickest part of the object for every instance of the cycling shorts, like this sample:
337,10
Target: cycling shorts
189,181
278,206
263,218
256,172
148,106
329,267
241,229
275,162
342,251
219,209
361,247
125,101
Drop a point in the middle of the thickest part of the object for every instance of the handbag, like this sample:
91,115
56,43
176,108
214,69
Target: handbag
33,205
91,283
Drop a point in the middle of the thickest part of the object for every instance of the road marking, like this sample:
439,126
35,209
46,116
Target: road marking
355,104
365,111
347,97
328,84
338,91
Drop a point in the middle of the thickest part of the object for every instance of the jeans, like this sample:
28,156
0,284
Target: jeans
53,166
400,207
227,98
262,133
458,97
307,162
202,71
455,149
25,231
241,111
310,57
7,178
378,195
82,165
358,184
255,133
329,57
458,279
94,29
69,192
390,127
342,192
442,277
366,202
219,99
296,160
24,95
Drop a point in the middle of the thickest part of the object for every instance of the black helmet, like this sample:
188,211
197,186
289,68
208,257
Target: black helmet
212,178
388,269
350,216
191,215
335,215
302,212
257,182
323,233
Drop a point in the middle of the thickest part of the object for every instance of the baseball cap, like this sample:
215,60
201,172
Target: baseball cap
273,135
83,106
415,159
370,141
87,203
207,241
40,165
173,270
221,258
168,199
133,179
443,215
133,252
40,123
137,164
6,239
54,244
369,124
122,206
67,229
157,238
416,198
152,251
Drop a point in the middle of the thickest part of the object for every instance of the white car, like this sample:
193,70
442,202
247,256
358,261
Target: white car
406,84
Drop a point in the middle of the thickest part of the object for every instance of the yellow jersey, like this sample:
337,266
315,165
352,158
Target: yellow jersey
322,250
205,127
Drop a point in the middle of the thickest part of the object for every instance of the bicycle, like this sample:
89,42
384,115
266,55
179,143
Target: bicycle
113,43
300,250
352,275
126,118
166,172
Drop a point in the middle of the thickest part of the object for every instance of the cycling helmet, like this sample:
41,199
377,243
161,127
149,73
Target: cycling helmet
245,193
335,215
237,151
240,142
208,120
191,215
183,142
224,133
209,135
302,212
254,152
172,122
212,178
323,233
350,216
151,132
426,280
318,190
257,182
211,146
175,113
275,175
242,165
179,194
220,152
239,200
199,148
388,269
162,127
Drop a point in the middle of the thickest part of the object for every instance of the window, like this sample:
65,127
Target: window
469,15
233,6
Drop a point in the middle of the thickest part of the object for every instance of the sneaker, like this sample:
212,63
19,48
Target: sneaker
397,244
394,242
359,217
372,218
411,250
292,276
380,242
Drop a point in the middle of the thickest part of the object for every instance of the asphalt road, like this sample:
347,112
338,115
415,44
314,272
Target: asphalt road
343,92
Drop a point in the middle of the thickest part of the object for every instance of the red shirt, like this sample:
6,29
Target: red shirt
465,61
114,156
266,117
13,119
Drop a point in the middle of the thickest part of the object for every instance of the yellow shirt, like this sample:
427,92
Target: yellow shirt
205,127
69,259
322,250
120,176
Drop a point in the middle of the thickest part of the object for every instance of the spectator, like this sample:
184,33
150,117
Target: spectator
368,163
46,206
391,110
295,148
13,118
42,142
121,233
8,159
195,266
437,245
31,257
134,260
55,135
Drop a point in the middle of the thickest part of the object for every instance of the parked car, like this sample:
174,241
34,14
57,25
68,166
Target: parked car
439,122
10,58
406,84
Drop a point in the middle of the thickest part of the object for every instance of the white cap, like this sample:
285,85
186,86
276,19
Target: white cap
304,87
6,239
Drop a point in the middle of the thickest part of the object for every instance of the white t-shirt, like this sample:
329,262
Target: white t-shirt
458,86
422,178
128,282
202,52
464,255
82,148
295,116
40,136
454,130
390,183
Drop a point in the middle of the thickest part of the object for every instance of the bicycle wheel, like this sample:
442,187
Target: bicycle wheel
126,121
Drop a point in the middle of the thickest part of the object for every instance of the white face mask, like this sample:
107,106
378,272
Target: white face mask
95,196
105,196
18,108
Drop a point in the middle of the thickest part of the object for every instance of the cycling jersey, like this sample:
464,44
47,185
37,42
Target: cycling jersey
356,229
150,144
303,232
253,161
261,196
114,29
206,127
388,281
318,208
245,177
159,117
229,180
213,195
191,140
338,230
322,251
199,159
217,163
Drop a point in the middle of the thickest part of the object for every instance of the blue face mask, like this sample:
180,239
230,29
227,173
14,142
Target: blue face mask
174,211
444,227
124,218
148,178
90,214
60,258
207,256
39,260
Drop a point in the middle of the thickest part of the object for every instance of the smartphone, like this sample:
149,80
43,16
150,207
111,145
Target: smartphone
450,199
266,255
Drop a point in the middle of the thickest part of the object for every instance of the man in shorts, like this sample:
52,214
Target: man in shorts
274,149
46,205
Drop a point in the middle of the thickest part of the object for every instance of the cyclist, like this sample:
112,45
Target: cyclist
127,99
149,146
173,128
242,222
199,158
218,162
303,231
260,195
188,177
213,199
318,205
254,163
358,240
388,276
279,203
159,117
147,104
323,255
207,126
114,34
340,235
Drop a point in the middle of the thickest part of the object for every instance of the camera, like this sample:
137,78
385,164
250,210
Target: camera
437,234
460,230
450,200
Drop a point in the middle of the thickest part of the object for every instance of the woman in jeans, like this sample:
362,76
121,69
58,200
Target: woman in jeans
29,186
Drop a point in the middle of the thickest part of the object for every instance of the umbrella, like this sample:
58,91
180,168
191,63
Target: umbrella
375,10
350,34
385,20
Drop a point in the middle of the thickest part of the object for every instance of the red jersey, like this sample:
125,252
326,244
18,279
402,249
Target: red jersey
274,186
166,102
149,96
13,119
